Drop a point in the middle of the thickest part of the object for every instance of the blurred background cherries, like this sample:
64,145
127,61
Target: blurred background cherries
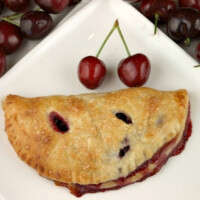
52,6
17,5
181,19
157,10
28,20
190,3
1,6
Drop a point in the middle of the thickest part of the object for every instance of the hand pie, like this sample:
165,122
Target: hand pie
97,142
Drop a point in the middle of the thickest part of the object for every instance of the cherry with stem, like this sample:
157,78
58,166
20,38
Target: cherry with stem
39,23
92,70
134,70
157,10
14,16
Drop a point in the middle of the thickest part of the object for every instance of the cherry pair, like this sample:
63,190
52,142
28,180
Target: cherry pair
133,71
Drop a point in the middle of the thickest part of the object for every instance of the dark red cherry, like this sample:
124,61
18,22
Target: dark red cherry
17,5
197,53
73,2
10,37
91,72
190,3
2,62
52,6
184,24
157,10
134,71
1,6
36,24
162,7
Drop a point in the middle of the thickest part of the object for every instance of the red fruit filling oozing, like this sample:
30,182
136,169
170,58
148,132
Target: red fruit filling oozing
145,170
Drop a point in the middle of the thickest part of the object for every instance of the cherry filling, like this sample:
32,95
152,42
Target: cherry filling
145,170
124,118
58,123
123,151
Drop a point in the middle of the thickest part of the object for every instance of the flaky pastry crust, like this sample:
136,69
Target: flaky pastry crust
89,152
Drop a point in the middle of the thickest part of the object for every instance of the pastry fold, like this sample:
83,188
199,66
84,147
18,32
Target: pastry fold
97,139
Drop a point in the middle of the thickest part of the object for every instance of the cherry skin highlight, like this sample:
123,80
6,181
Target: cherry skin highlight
91,72
134,71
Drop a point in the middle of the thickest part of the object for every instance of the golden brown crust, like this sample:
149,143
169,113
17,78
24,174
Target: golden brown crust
89,152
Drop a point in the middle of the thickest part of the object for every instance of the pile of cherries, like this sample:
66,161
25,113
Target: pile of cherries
182,21
34,24
133,71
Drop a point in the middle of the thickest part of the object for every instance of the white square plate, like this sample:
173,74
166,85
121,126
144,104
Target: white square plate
51,68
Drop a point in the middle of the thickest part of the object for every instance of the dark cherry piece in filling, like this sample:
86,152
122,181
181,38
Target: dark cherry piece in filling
124,118
58,123
123,151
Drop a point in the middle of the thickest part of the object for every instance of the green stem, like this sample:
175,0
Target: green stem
197,66
14,16
123,40
157,16
19,15
108,36
10,21
37,9
187,41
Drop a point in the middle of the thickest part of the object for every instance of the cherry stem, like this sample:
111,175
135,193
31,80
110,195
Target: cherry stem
10,21
123,40
187,41
157,16
196,66
108,36
16,16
